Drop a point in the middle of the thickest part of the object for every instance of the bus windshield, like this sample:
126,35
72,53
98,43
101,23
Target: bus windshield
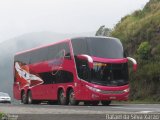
105,48
102,73
109,74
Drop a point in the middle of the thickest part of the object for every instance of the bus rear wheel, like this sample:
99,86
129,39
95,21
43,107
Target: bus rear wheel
106,103
72,100
61,98
24,98
30,101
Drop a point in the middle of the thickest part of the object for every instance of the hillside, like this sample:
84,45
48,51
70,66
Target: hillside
140,35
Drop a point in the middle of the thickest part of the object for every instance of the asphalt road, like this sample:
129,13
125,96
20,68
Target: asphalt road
54,112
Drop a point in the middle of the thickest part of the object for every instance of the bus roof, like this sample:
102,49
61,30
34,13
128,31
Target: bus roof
75,38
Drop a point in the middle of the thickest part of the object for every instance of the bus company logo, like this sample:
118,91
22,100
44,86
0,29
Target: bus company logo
56,63
25,78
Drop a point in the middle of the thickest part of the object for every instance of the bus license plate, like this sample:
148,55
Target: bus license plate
112,98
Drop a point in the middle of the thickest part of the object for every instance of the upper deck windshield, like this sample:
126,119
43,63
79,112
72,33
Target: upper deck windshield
98,47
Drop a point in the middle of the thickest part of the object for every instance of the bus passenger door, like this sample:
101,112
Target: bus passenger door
83,72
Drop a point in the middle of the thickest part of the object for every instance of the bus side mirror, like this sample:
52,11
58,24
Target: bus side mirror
134,63
86,57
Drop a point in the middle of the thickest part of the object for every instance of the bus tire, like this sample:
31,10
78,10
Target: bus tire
106,103
30,101
72,100
24,98
62,100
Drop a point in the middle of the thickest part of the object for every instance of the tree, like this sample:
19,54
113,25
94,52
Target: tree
144,50
102,31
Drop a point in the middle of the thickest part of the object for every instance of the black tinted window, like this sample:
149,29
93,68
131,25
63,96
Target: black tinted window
106,48
80,46
57,77
48,78
64,77
43,54
38,55
23,58
82,69
55,50
98,47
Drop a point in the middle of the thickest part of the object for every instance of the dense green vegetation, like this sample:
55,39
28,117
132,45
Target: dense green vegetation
1,114
140,35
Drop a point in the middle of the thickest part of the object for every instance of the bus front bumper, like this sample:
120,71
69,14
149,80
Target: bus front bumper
98,94
116,97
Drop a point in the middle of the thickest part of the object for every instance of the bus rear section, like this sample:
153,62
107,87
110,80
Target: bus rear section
87,69
44,74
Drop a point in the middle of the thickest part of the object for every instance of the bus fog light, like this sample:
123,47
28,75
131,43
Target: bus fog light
127,96
95,96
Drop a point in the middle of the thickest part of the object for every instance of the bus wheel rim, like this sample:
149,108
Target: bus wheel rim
62,97
23,98
72,96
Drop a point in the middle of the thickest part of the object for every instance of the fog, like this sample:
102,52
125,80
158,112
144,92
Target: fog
19,17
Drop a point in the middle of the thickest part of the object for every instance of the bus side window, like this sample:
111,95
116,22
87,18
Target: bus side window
82,69
65,46
23,58
48,78
55,49
64,77
67,56
38,55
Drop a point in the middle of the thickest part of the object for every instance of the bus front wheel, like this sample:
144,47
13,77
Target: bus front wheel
72,100
106,103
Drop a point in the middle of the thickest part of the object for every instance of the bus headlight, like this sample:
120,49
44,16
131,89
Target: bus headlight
93,89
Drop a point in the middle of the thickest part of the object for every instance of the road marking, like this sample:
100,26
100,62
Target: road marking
137,108
145,111
130,108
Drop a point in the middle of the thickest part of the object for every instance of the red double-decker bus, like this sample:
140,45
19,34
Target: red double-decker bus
88,69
